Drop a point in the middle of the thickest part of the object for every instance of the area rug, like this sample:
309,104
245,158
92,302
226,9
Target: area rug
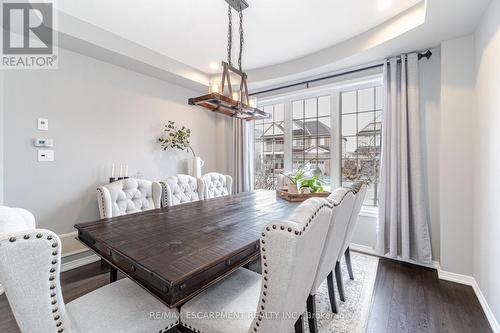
353,313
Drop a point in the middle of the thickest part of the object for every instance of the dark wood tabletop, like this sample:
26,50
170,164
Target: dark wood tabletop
177,252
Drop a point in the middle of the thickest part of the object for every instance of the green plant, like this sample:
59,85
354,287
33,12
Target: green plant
304,177
176,138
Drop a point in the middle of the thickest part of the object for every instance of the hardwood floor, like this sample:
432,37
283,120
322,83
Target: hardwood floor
409,298
406,298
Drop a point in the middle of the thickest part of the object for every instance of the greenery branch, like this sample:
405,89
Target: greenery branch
175,137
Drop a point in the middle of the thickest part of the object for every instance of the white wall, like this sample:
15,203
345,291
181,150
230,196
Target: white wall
456,154
487,158
1,134
98,114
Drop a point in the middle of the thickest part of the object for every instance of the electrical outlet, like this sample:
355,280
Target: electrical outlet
43,124
45,155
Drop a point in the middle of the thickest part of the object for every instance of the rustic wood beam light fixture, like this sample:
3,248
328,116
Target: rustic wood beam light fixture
233,103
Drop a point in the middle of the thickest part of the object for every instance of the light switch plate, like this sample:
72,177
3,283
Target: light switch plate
43,124
42,142
45,155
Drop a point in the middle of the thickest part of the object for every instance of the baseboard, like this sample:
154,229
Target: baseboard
471,281
71,245
454,277
79,262
495,326
362,249
371,251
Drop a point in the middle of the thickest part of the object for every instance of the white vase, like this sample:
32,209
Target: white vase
198,164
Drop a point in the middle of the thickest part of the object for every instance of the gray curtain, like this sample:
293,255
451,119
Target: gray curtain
243,162
403,227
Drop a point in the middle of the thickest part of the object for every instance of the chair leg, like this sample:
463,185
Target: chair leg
113,274
340,284
331,292
311,314
299,325
347,255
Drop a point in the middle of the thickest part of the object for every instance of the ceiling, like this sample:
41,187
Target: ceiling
286,41
194,32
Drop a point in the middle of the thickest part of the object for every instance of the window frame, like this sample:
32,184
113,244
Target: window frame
334,90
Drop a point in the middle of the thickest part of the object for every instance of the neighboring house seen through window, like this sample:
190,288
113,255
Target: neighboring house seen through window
336,128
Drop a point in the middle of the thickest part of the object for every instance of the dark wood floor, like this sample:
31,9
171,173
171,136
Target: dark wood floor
407,298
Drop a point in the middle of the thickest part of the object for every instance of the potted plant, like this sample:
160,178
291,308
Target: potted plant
304,180
175,137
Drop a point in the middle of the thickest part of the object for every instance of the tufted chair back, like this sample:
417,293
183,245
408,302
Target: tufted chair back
290,251
128,196
30,264
359,188
343,202
217,185
181,189
15,219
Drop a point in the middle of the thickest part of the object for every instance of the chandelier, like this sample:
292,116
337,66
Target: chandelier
223,98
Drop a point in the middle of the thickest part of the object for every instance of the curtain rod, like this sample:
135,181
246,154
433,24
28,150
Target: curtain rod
426,55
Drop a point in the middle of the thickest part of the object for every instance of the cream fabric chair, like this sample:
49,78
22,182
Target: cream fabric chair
290,251
30,264
15,219
181,189
217,185
343,203
128,196
359,188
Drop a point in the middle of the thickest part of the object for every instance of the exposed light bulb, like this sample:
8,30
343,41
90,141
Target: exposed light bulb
236,96
253,102
384,4
214,66
213,87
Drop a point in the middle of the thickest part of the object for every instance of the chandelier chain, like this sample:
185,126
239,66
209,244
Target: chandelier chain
229,35
241,40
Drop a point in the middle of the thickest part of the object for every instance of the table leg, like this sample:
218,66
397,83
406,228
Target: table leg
113,274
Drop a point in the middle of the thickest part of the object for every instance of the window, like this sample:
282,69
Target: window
311,134
269,147
361,121
337,128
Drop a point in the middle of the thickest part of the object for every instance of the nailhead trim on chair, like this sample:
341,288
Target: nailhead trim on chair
264,258
101,193
53,268
335,203
169,327
164,198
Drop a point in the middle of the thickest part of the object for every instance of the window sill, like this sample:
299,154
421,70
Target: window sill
369,211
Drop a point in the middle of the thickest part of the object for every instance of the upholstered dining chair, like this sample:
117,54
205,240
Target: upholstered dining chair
343,202
181,189
359,188
128,196
290,251
217,185
30,265
15,219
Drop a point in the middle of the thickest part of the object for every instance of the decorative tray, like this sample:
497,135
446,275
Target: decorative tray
299,197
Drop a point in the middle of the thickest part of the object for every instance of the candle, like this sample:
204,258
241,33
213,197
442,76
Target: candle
121,171
113,170
126,170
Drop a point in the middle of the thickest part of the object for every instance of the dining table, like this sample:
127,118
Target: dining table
177,252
